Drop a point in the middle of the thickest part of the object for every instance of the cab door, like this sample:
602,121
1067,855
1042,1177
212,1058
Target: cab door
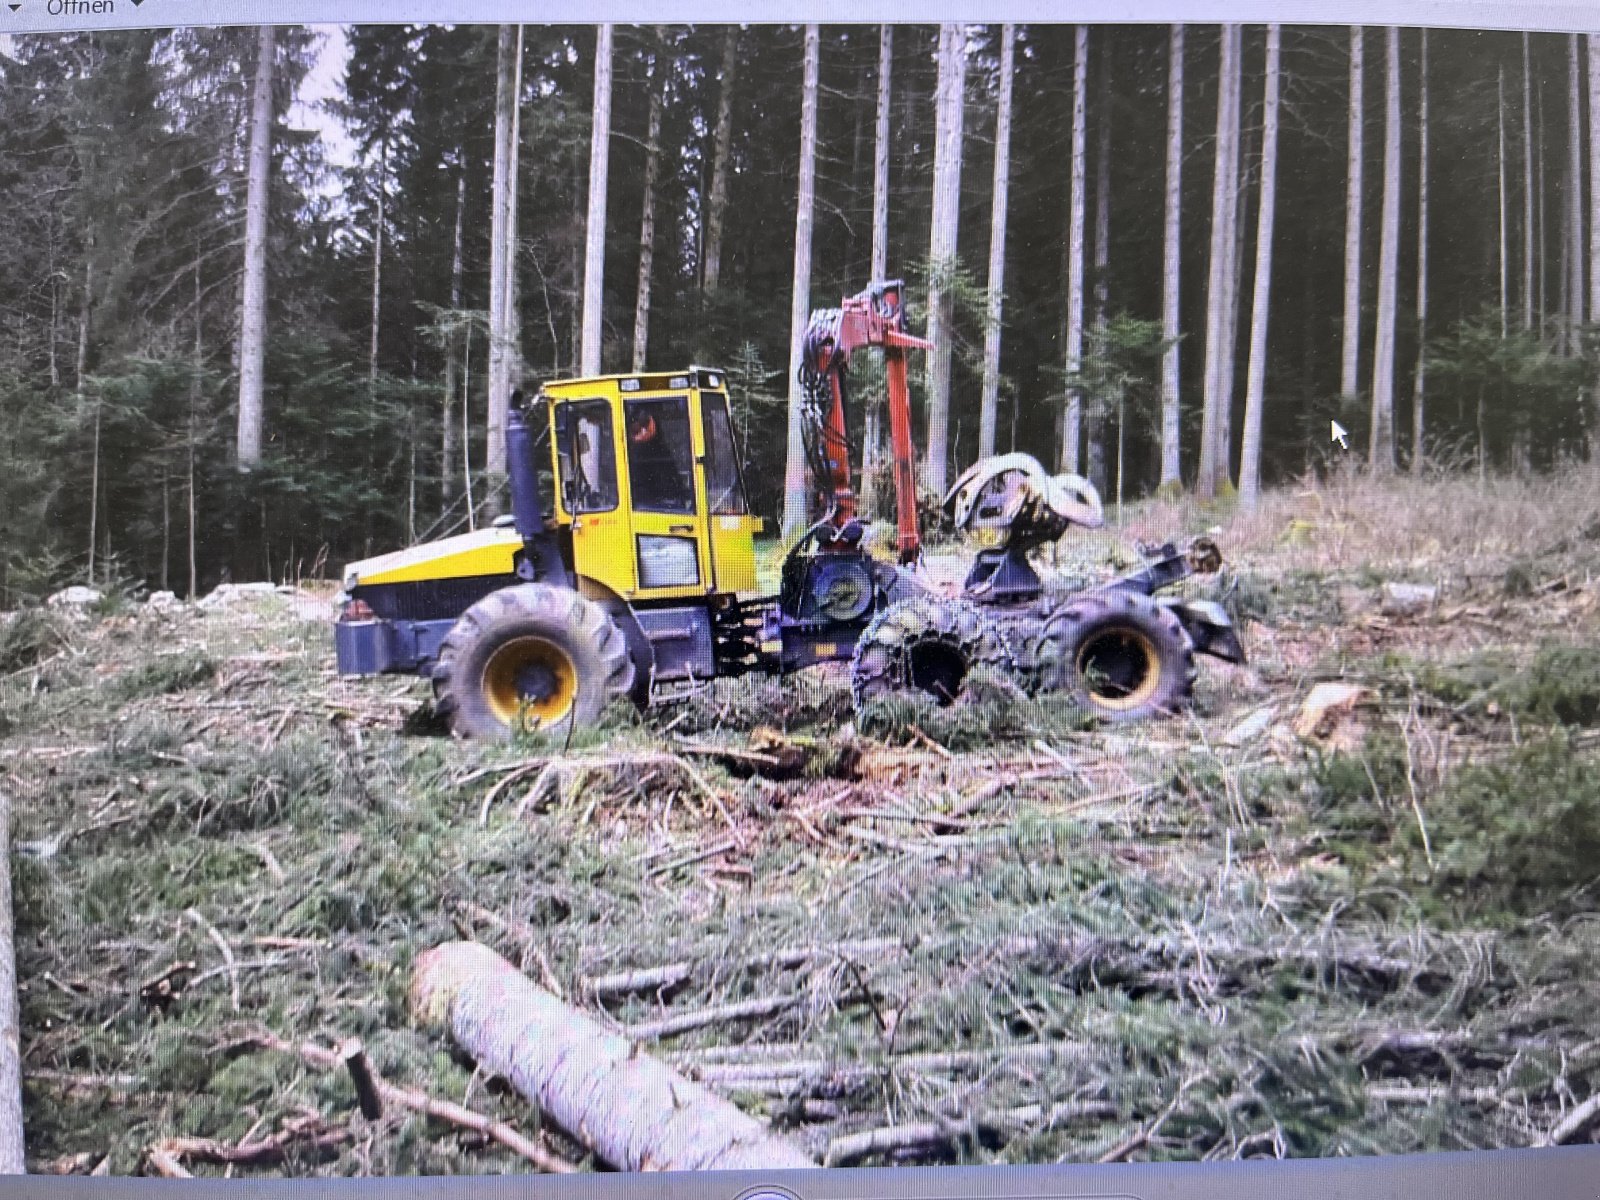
665,497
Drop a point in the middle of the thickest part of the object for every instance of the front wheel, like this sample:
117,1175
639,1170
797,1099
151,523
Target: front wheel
530,657
1119,654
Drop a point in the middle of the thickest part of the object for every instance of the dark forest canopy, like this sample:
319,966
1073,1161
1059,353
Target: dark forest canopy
124,156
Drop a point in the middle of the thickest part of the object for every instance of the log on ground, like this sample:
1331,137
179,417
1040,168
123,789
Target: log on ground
634,1112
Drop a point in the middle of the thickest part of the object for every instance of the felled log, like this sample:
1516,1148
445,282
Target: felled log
634,1112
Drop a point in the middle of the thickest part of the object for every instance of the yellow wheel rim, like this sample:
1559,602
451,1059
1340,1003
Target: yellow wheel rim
532,680
1120,669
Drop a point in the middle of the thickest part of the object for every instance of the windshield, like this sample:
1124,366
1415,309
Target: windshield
724,487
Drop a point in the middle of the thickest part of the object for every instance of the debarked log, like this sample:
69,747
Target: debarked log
633,1111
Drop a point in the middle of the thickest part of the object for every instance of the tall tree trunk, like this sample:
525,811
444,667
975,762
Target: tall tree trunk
1419,381
794,473
1544,216
505,105
880,156
1350,366
594,259
989,411
1238,207
1500,183
950,97
80,377
447,423
1256,377
1594,178
377,269
1072,410
1098,416
253,302
647,217
1527,179
195,382
711,272
1575,309
510,286
12,1157
1224,185
1171,261
1381,446
872,435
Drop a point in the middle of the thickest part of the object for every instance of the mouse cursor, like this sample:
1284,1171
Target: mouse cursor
1340,435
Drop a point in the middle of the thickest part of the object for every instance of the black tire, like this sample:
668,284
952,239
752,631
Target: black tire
530,656
1120,655
922,644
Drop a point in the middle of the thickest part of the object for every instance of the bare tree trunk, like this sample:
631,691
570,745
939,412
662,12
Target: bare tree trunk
505,104
1171,261
84,307
12,1142
794,473
1575,309
1098,416
447,424
872,435
647,218
510,286
1227,364
1256,377
1419,381
1224,184
1072,411
950,103
711,270
377,268
194,414
631,1110
1594,178
1544,219
989,411
1527,180
1349,373
1500,181
594,259
253,303
1381,446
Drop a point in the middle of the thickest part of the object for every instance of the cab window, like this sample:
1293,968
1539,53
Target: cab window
588,457
724,487
660,455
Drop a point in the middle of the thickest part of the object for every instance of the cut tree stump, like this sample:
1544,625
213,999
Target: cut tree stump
634,1112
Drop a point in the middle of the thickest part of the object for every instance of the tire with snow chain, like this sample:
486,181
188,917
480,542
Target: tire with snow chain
1119,654
530,657
923,644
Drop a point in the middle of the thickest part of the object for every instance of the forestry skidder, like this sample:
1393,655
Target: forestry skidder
637,580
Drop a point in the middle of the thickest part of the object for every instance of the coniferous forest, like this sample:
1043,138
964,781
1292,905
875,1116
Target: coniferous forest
264,292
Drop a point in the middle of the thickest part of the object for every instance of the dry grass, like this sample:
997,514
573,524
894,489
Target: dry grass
1057,944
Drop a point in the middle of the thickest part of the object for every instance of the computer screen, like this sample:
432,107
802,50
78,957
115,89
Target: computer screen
753,596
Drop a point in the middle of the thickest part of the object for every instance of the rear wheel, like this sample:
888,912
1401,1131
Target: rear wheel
922,645
530,657
1121,655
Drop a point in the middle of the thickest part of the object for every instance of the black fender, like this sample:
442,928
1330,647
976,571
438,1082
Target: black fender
1209,627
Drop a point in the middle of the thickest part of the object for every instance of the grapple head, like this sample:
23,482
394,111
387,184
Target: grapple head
1014,494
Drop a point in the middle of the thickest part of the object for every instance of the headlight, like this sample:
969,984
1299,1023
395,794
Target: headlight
668,562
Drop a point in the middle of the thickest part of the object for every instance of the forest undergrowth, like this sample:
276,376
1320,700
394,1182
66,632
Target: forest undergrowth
988,933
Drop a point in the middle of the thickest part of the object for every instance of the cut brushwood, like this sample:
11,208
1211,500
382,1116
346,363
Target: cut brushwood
634,1112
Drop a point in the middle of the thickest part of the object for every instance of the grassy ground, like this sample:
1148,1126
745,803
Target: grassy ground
1009,938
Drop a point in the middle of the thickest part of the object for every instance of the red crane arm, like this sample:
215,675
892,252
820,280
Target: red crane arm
875,317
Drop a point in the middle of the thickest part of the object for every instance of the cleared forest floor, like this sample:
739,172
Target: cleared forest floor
1005,938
